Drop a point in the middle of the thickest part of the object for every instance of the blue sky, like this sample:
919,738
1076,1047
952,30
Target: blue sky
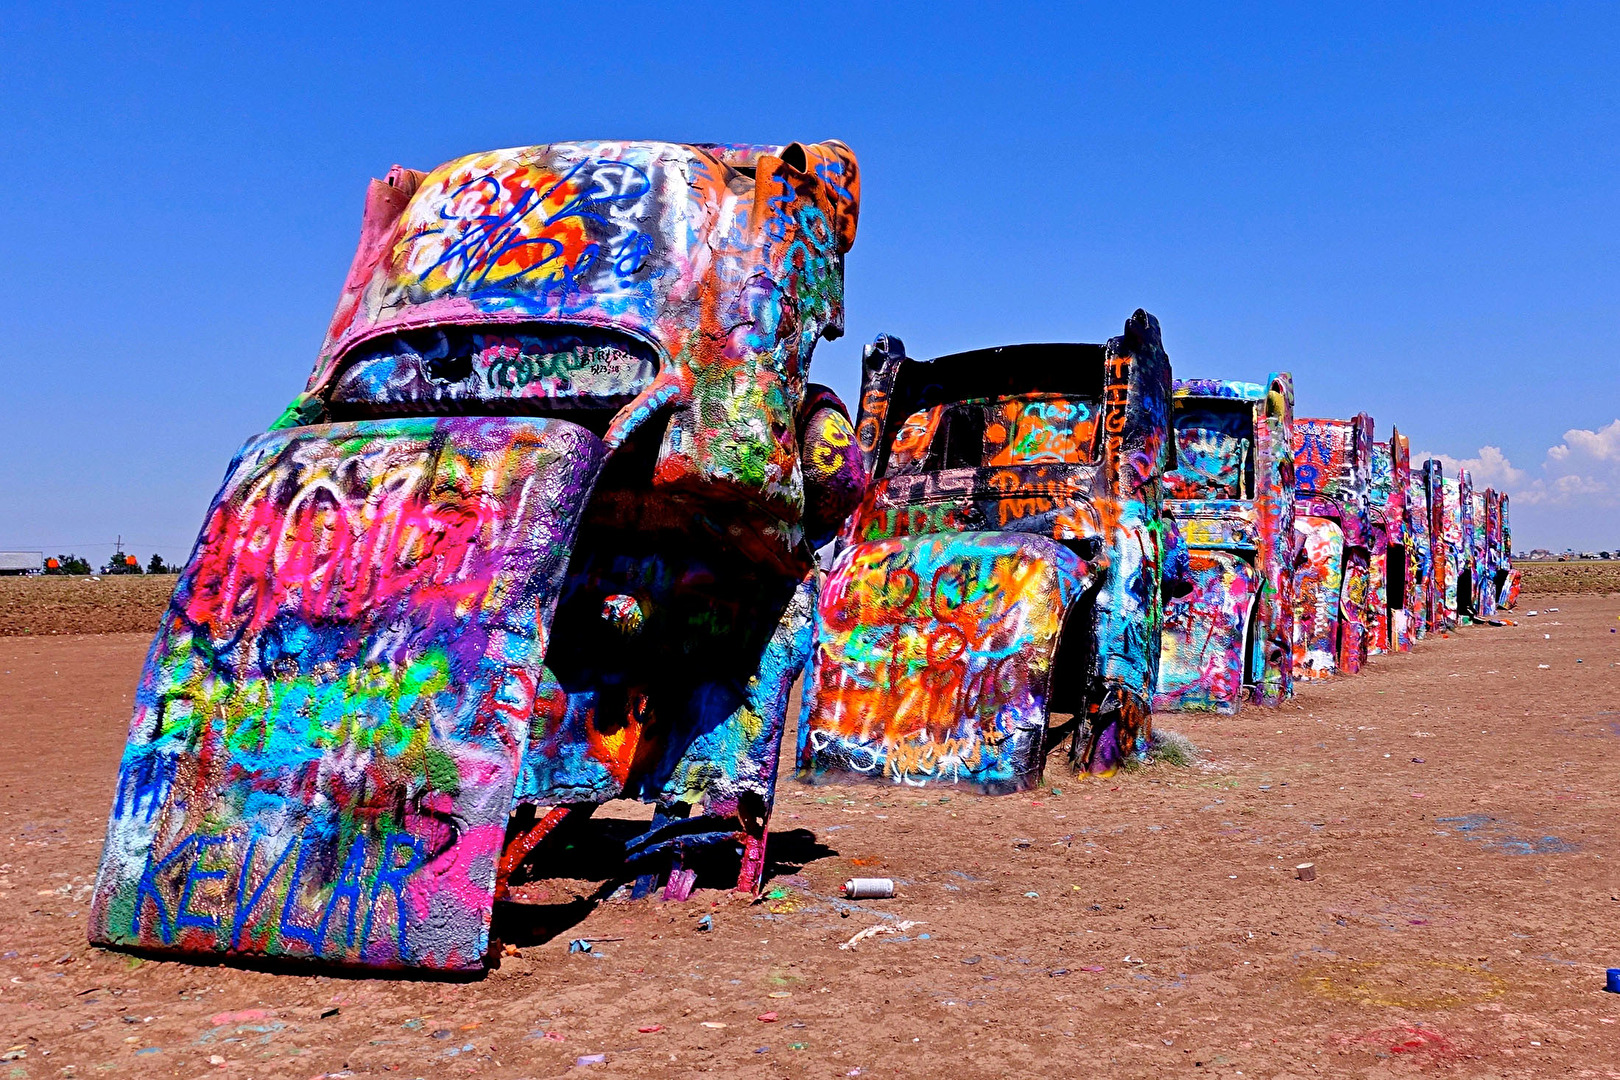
1411,208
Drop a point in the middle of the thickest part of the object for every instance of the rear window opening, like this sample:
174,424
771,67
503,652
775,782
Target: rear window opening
1214,450
524,369
1023,429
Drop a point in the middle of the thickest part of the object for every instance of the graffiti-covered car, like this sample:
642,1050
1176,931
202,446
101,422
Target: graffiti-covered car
1456,544
1333,537
1442,610
1507,575
537,534
1231,498
1483,554
1003,569
1389,622
1420,601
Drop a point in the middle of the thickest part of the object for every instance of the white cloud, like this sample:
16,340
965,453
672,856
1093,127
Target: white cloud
1583,470
1600,445
1489,468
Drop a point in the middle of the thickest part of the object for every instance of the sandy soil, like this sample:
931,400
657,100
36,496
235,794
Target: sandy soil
119,604
1567,578
1459,803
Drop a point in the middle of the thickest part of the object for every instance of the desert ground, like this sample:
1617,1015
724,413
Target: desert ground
1458,802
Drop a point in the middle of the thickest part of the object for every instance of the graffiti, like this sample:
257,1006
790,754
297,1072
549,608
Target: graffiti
331,712
1003,569
1232,498
1332,472
538,533
1204,636
1420,604
1316,596
933,657
1389,579
1507,576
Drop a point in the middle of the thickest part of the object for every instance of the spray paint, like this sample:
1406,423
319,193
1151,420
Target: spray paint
868,888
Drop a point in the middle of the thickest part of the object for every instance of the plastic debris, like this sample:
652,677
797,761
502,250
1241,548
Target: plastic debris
705,924
579,944
881,928
1306,871
650,1029
766,1018
590,1059
869,888
1611,982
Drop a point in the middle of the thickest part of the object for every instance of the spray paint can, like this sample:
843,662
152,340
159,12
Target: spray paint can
868,888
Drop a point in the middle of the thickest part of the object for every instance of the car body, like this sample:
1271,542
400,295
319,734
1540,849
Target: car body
1231,498
1004,567
1456,543
1420,599
1389,622
1484,552
537,534
1507,575
1443,570
1333,531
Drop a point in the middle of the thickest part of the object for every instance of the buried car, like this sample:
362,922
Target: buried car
1333,532
1507,575
1390,623
1003,569
1442,598
1420,601
1455,544
538,534
1231,497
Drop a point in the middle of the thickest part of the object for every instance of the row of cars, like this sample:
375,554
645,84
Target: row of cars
540,532
1057,542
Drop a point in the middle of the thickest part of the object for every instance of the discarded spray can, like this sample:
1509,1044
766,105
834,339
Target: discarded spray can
1612,983
868,888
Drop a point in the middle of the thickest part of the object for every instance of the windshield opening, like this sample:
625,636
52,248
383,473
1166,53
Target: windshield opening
1214,450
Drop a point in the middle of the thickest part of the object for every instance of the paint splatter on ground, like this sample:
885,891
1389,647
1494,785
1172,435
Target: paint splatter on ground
1168,928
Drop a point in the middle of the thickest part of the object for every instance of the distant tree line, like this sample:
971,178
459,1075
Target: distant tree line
119,564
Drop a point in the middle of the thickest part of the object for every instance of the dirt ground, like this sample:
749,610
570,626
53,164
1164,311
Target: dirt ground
115,604
1459,804
1540,578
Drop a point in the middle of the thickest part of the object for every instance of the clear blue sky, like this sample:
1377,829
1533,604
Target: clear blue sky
1413,208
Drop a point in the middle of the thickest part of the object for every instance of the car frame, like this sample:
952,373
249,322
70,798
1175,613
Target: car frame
538,534
1389,620
1003,568
1227,639
1507,575
1420,603
1333,528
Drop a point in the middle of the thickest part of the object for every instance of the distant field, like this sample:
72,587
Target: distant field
80,605
123,605
1552,578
